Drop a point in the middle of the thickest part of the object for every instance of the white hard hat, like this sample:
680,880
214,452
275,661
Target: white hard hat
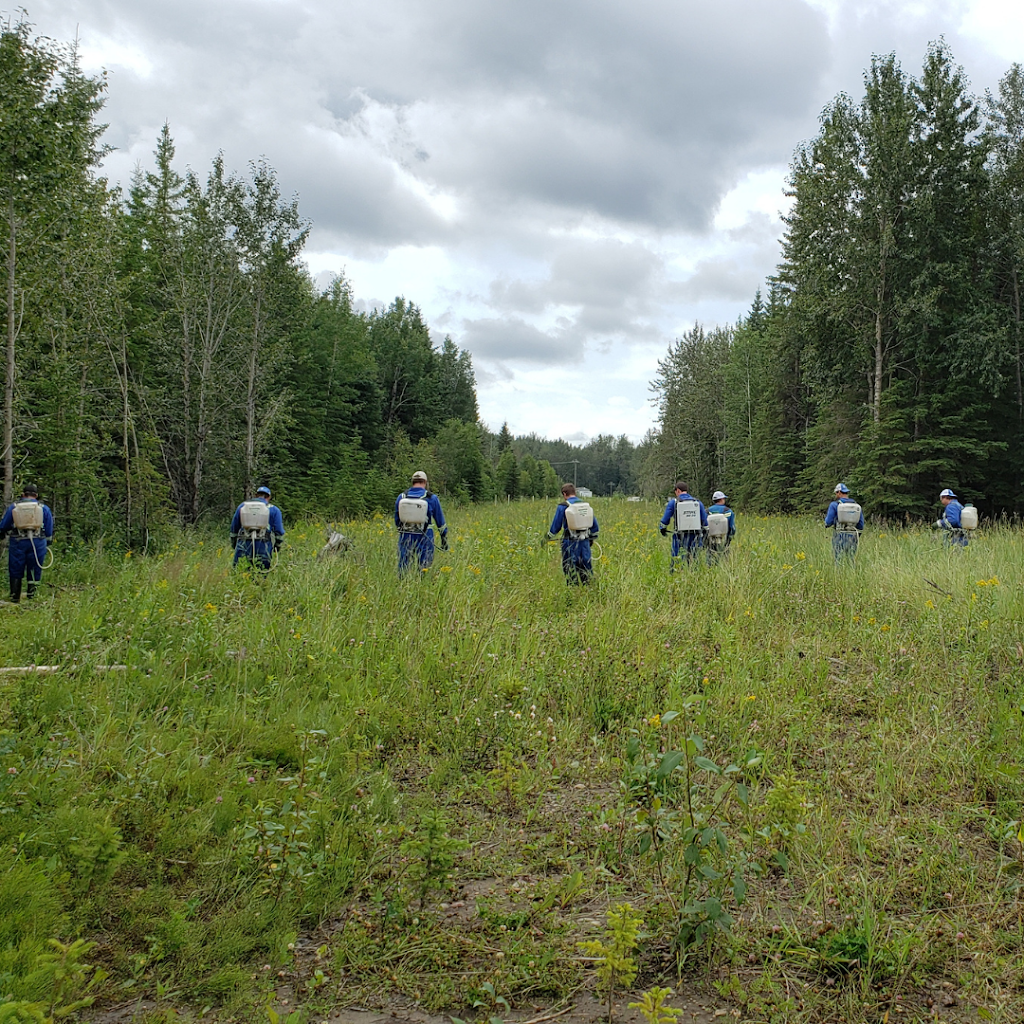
718,496
946,493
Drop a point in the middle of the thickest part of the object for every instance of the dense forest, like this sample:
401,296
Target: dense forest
887,352
167,351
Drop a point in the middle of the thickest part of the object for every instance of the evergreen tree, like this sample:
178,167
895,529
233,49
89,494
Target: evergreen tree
504,439
48,145
507,475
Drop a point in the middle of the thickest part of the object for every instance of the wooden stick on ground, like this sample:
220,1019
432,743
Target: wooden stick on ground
48,670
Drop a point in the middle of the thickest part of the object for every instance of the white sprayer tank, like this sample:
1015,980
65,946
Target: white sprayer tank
27,515
413,511
718,524
848,513
579,517
687,516
254,515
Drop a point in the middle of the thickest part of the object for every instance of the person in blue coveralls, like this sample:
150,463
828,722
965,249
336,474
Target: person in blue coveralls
717,546
956,536
686,543
421,508
847,535
257,545
31,534
576,559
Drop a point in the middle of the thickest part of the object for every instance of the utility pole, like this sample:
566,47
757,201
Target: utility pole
572,462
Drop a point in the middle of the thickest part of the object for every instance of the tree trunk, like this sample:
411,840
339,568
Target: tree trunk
250,405
12,238
876,397
1016,338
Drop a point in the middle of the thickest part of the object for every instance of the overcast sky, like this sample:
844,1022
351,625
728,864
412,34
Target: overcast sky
563,186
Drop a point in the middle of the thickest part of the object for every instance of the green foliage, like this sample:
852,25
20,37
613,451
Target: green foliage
888,718
64,981
282,836
784,812
680,801
431,852
614,954
653,1009
889,352
96,855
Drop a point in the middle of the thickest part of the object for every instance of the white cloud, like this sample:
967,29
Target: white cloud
563,187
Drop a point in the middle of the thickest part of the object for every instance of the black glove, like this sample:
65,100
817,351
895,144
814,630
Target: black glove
234,539
278,541
663,530
444,541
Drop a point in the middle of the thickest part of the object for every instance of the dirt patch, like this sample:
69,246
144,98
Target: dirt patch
586,1009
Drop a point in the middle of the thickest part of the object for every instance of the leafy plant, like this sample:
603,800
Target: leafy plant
613,956
68,981
281,835
652,1007
784,813
432,853
680,800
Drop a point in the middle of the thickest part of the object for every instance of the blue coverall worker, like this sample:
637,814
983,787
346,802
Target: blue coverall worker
257,550
956,536
27,549
686,544
845,538
576,559
718,546
415,540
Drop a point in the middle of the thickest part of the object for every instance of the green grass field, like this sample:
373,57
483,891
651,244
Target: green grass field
351,786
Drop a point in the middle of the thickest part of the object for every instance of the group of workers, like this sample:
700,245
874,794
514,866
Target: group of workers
257,530
846,518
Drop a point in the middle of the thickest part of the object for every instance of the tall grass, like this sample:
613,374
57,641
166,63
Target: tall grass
260,767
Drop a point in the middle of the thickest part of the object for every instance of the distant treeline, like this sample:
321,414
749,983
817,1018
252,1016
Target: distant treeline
167,351
888,352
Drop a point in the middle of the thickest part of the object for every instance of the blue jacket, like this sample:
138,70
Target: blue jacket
724,509
276,520
832,515
434,514
7,523
951,515
670,511
558,523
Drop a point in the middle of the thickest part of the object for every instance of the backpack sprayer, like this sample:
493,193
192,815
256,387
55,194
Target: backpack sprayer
254,520
688,516
718,525
579,519
28,521
413,514
847,515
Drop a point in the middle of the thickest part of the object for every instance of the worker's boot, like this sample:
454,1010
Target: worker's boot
15,591
32,589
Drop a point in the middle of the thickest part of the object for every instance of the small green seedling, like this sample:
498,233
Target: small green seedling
616,966
652,1006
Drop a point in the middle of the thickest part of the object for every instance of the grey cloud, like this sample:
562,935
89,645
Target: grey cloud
611,288
602,275
635,112
719,278
513,340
